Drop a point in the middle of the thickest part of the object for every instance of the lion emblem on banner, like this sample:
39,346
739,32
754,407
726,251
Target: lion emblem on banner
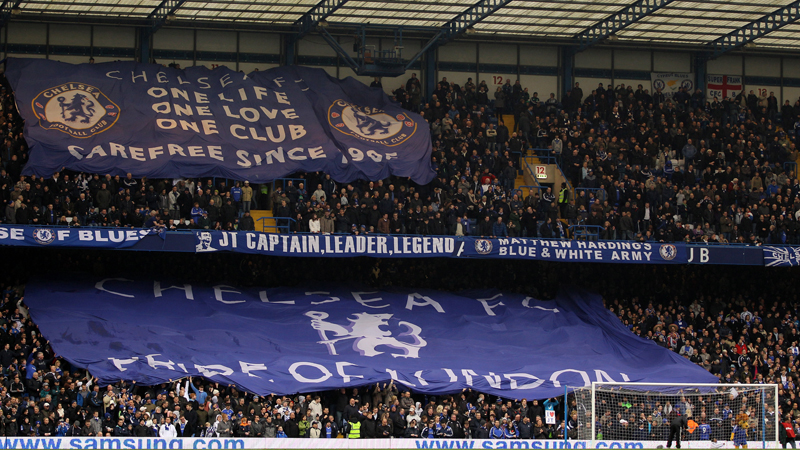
371,124
78,106
668,252
77,109
366,330
44,236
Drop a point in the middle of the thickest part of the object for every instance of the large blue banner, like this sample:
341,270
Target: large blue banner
161,122
288,340
22,236
388,246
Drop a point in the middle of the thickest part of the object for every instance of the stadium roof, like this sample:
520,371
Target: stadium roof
679,22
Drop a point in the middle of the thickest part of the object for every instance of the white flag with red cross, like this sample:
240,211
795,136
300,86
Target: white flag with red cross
723,86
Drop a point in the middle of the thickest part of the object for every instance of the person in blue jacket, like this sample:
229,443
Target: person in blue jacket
429,432
509,430
443,430
705,431
236,194
499,229
200,393
497,431
197,212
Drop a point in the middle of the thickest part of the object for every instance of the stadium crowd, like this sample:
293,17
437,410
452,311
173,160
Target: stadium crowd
714,316
651,168
639,165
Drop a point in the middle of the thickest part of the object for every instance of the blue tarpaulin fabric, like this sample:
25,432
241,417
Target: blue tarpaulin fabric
288,340
163,122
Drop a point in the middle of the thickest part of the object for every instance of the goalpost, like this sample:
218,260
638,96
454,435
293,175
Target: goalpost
609,411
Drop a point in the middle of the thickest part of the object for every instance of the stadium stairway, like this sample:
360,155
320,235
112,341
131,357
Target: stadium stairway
519,181
268,221
526,178
508,120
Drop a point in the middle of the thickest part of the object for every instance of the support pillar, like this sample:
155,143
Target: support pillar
430,72
700,72
289,49
567,69
144,46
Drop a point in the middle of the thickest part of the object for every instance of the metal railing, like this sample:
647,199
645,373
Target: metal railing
530,169
586,232
544,158
282,182
599,194
517,156
521,191
280,224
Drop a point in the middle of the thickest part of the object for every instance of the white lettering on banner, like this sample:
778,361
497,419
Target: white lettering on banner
555,375
513,378
106,235
228,239
489,308
248,368
366,301
151,361
702,258
318,373
468,374
493,380
187,288
330,300
421,380
263,296
344,444
340,365
574,250
426,301
118,363
325,372
100,286
213,370
526,303
218,290
393,375
15,234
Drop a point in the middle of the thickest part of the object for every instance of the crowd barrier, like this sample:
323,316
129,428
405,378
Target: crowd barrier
117,443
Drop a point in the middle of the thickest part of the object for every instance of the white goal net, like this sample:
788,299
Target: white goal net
717,413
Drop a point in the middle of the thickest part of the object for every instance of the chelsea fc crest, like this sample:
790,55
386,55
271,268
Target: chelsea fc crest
77,109
668,252
44,236
371,124
483,246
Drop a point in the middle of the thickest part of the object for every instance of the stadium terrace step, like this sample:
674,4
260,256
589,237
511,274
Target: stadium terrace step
508,120
264,220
